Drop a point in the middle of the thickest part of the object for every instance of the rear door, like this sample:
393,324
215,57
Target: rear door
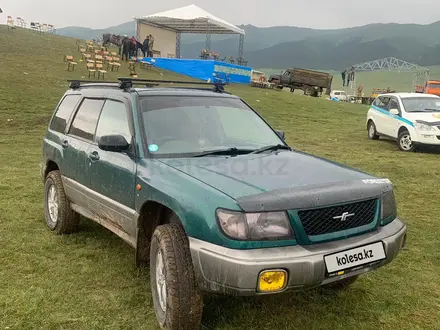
113,173
53,141
76,147
381,114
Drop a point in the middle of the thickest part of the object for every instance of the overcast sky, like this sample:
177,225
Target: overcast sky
314,14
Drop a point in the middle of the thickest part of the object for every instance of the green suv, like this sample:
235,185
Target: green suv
210,195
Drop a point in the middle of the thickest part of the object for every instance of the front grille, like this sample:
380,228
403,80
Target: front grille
329,220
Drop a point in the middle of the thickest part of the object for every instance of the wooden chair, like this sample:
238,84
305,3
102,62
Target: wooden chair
146,65
91,69
105,53
99,59
101,71
86,56
132,66
109,61
70,62
116,63
114,54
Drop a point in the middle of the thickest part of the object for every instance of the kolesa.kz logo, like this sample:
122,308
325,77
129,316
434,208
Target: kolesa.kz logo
367,254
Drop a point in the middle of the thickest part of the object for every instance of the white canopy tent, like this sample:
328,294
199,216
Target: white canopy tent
190,19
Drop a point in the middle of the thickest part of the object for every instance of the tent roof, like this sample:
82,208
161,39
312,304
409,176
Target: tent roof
190,19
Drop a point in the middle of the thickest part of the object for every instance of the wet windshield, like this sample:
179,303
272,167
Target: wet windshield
179,125
421,104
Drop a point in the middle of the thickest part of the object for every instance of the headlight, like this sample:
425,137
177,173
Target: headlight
423,127
389,208
255,226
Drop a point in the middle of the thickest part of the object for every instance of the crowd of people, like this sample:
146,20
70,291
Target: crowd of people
130,47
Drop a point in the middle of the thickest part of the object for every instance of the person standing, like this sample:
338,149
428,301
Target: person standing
150,45
146,46
126,48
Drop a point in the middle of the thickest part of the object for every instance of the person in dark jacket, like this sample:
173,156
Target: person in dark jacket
146,46
126,44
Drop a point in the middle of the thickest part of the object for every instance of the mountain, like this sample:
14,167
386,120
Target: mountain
89,34
286,46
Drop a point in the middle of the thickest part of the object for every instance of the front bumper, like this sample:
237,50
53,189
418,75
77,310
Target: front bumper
427,138
236,272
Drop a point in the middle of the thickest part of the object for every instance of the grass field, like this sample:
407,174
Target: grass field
89,281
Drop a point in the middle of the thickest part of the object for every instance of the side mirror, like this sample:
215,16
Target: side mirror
281,134
394,112
113,143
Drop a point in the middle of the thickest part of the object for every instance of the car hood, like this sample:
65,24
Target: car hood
429,117
249,178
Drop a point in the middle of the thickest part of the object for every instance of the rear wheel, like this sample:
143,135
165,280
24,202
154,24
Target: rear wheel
404,142
178,303
59,216
372,133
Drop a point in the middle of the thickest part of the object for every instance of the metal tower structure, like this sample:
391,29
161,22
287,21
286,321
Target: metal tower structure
394,64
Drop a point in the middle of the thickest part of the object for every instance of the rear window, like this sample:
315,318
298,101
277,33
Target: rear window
436,86
64,112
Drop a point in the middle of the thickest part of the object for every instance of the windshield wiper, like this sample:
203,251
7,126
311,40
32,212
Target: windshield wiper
271,148
431,109
227,152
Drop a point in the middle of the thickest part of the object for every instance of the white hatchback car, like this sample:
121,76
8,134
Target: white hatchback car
340,95
409,118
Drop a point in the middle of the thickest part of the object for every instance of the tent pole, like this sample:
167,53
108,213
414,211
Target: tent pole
208,40
178,37
240,46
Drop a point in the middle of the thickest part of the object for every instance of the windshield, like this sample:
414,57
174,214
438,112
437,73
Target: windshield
177,125
421,104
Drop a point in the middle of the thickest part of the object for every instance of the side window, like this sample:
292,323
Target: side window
382,102
86,118
63,113
394,104
113,121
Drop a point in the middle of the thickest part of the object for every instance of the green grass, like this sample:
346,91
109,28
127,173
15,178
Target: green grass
89,281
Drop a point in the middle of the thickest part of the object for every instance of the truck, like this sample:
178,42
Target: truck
310,81
430,87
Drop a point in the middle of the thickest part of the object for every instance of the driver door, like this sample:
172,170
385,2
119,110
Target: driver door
285,78
113,173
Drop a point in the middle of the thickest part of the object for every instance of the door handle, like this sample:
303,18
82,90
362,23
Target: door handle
94,155
65,144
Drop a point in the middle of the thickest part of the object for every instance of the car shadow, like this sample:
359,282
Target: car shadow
308,309
423,148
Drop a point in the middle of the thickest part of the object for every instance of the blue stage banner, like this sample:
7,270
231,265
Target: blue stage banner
204,69
235,73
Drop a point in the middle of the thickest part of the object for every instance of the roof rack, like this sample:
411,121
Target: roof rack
127,83
217,86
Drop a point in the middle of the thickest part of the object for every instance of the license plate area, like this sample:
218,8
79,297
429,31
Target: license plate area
346,261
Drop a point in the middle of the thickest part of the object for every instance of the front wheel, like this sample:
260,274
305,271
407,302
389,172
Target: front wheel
404,142
178,303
